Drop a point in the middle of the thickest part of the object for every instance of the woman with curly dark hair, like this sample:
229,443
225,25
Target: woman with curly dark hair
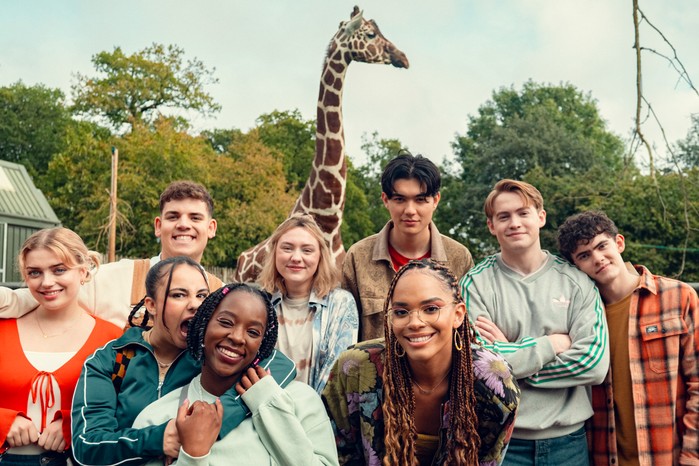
234,329
426,394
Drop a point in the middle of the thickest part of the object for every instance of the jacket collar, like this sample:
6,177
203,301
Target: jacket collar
380,252
647,280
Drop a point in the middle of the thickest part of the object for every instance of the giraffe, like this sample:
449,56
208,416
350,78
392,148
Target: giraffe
323,196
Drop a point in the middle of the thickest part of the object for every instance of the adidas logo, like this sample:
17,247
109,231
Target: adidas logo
561,302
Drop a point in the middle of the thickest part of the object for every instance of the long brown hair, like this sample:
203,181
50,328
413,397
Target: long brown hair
398,406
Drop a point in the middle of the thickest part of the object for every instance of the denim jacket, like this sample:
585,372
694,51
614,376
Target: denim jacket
335,328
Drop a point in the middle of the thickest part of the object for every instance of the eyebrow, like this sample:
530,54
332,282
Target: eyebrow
422,303
49,267
232,314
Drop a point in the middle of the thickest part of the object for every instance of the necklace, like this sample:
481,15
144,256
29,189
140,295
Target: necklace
38,324
162,365
427,392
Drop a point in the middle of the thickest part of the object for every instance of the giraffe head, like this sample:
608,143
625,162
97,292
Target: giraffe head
365,43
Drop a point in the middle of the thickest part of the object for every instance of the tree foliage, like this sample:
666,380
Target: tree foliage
294,137
138,88
33,125
542,132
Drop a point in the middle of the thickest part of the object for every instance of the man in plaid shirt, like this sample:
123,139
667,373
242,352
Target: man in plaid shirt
647,409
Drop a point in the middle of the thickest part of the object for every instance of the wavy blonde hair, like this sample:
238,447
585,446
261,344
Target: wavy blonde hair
326,277
66,245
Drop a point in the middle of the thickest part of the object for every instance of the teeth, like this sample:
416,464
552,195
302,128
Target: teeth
419,339
183,238
51,293
230,354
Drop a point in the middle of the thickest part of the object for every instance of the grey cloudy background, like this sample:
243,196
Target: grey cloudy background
268,55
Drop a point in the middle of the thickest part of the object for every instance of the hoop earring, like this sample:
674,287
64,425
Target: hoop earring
458,342
395,349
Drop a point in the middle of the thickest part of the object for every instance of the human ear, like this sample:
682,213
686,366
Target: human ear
459,314
157,223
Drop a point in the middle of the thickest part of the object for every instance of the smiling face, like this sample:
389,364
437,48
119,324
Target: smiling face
601,258
184,227
410,207
296,257
424,342
233,337
53,284
173,308
515,224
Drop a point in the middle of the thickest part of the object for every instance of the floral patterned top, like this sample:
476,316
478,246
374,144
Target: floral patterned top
354,393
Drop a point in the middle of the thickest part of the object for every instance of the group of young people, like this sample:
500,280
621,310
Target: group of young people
408,355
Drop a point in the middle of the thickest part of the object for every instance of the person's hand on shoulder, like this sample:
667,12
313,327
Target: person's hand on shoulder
250,378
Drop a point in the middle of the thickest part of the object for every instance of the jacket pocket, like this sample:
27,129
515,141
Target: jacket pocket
661,343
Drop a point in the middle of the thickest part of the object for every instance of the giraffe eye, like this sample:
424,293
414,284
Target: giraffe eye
371,35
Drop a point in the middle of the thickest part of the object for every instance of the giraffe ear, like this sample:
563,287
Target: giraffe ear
354,23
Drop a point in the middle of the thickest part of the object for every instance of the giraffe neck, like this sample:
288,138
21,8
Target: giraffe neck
324,192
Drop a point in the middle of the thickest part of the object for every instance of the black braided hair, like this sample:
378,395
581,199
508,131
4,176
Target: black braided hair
197,326
153,281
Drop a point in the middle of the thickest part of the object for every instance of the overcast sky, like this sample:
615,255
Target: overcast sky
268,55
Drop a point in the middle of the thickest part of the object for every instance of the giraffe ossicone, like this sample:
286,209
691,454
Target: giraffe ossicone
323,196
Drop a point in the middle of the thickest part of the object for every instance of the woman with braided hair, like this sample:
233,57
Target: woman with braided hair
234,329
426,394
146,363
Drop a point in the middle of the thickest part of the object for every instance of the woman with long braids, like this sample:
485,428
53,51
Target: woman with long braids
426,394
147,362
235,328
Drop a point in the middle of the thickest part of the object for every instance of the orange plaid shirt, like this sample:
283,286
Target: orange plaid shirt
663,357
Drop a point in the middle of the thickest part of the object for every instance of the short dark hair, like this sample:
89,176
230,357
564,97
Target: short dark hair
580,229
185,189
406,166
198,325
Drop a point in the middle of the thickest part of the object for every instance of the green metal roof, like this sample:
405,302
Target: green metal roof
20,201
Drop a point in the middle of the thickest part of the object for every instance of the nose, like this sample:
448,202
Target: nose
295,255
414,319
47,280
410,207
194,304
236,335
596,257
183,222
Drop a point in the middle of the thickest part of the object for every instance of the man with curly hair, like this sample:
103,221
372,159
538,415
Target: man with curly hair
647,409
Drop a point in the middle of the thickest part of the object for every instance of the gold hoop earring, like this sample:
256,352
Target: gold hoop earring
395,349
458,342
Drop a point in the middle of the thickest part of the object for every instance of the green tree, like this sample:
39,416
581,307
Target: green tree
688,148
294,138
550,135
33,125
367,178
138,88
248,184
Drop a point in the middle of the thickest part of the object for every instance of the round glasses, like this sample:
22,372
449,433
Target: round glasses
429,314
